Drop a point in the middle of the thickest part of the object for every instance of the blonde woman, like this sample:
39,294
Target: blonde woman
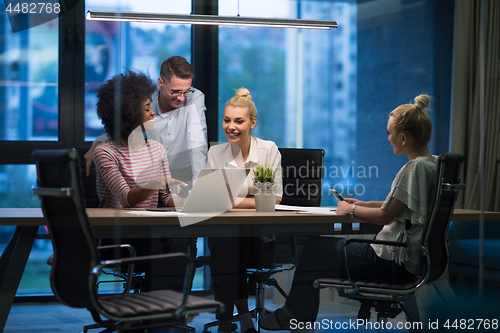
231,256
403,215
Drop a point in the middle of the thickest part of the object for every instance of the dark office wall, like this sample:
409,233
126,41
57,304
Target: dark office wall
403,51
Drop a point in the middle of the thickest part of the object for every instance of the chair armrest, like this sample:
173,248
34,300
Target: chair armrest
369,241
114,246
376,241
187,277
130,271
145,258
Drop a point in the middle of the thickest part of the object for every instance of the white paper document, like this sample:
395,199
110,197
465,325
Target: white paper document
157,213
308,210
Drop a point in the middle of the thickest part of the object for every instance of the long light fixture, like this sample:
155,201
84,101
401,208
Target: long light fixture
211,20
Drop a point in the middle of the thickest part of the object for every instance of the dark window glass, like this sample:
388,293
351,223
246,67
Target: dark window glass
110,47
29,82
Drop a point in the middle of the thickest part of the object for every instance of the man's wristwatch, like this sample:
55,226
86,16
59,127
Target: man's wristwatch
351,214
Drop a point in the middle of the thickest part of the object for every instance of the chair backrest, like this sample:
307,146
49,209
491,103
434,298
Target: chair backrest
302,186
302,176
75,254
89,185
436,236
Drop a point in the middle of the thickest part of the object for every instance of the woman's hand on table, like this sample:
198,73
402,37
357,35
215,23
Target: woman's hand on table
353,201
344,207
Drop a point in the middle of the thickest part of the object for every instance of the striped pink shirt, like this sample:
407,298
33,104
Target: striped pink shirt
119,170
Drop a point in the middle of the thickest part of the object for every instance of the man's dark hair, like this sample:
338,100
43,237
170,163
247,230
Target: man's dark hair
134,89
176,66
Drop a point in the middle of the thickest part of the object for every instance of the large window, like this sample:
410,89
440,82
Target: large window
335,89
15,186
110,47
302,81
28,101
313,89
29,112
29,82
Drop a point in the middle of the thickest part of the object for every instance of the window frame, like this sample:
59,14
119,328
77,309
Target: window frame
71,84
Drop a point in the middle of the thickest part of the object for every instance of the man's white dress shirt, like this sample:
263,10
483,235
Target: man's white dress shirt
183,133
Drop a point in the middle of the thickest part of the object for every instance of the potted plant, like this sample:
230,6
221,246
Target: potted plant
264,188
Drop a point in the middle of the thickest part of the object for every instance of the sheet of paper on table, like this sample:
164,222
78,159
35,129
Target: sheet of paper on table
157,213
308,210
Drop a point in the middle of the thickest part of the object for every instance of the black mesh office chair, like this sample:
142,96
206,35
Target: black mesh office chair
390,300
89,187
302,186
302,172
91,199
77,265
302,176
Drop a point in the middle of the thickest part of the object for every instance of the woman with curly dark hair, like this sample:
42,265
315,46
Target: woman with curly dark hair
132,171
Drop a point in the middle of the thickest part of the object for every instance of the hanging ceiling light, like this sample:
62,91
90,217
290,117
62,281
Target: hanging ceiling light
211,20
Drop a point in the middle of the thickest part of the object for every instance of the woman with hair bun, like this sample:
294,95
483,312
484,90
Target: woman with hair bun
230,257
403,215
244,150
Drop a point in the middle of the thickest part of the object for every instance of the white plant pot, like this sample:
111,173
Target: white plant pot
265,199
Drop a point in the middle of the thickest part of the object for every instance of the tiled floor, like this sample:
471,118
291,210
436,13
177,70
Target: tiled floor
55,318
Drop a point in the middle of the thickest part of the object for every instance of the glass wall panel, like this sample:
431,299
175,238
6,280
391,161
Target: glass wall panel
29,82
111,47
335,89
36,276
303,81
16,182
400,55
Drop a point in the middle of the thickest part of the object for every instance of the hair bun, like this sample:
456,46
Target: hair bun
422,101
243,92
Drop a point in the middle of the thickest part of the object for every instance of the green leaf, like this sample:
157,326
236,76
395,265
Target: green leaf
264,174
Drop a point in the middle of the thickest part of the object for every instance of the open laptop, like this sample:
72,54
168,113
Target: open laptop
215,190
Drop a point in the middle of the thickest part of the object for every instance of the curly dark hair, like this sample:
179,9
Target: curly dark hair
135,88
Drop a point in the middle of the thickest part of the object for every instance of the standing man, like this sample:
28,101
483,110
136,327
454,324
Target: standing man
179,123
180,126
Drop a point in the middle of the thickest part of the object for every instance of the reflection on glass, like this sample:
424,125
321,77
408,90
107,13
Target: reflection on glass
302,81
110,47
29,82
16,182
36,276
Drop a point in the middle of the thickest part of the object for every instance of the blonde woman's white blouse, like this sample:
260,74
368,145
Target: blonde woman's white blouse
262,152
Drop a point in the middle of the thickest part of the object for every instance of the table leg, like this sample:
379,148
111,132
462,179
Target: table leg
12,264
